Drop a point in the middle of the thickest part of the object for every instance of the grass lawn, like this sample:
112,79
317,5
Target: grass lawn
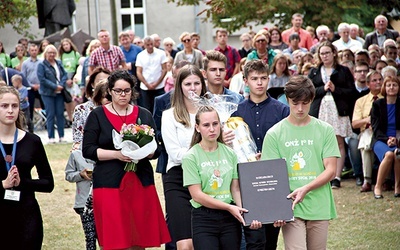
362,223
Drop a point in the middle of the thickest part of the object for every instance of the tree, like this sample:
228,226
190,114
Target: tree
17,14
236,14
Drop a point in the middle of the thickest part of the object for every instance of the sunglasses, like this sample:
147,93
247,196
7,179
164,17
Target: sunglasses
261,41
186,40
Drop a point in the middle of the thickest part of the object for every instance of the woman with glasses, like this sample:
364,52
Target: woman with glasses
194,56
334,99
126,207
276,40
261,52
53,78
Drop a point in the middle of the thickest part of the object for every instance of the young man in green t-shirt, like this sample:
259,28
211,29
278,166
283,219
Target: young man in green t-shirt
310,149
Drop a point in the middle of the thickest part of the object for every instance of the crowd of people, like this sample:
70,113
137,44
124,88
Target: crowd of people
337,91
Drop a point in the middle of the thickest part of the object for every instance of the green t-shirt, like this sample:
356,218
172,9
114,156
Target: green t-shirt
15,61
70,61
5,60
304,149
213,170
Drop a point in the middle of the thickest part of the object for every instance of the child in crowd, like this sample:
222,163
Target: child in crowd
170,76
23,95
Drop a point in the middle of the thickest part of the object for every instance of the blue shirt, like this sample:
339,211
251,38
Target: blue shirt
29,69
260,117
131,55
391,130
23,94
239,98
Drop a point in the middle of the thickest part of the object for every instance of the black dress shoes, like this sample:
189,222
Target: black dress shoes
397,195
378,196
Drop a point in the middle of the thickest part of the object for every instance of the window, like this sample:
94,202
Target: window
133,16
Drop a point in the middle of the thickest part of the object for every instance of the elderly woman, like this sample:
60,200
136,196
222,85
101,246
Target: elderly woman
386,128
53,78
260,43
169,44
194,56
334,99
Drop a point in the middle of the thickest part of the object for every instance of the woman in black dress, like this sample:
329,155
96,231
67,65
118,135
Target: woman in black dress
126,207
20,214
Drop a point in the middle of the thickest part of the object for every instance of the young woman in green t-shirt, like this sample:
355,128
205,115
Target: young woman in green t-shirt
210,173
4,57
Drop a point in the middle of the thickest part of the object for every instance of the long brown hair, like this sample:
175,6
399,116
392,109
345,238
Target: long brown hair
10,89
196,138
181,114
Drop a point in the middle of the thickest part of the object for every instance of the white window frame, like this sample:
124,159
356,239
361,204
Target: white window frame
132,12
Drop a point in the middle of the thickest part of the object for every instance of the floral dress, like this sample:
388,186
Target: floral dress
328,111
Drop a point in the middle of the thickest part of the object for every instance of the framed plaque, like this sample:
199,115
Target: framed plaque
264,186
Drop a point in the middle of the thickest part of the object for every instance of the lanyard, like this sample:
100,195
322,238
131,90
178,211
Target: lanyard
10,162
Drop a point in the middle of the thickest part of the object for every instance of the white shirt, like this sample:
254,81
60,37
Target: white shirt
151,65
176,137
352,44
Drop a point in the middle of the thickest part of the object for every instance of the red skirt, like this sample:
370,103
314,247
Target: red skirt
129,216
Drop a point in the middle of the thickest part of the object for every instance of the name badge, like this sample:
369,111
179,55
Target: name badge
12,195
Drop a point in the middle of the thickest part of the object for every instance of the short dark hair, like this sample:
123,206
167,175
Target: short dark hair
122,75
254,65
294,36
299,88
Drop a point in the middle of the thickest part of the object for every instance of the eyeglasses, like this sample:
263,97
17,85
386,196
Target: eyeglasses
261,41
186,40
365,71
120,91
326,53
168,45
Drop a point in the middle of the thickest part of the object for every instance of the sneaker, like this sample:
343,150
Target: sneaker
335,183
62,140
52,141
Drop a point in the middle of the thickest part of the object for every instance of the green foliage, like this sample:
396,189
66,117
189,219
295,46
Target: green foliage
236,14
17,14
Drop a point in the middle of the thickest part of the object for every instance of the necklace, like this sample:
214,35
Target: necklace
126,113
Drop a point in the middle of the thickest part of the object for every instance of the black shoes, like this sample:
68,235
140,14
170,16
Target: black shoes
335,183
359,181
378,196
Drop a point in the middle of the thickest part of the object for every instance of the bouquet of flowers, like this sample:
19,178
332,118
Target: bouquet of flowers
136,141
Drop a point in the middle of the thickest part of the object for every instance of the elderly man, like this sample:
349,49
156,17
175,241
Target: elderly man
354,33
305,37
322,34
362,121
109,56
151,67
381,33
345,42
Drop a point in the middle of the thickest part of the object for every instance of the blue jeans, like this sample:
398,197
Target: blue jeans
54,110
146,99
215,230
355,157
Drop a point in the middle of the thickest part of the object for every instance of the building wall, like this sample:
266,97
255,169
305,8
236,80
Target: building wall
165,19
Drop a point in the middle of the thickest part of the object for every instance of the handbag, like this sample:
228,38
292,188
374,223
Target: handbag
67,96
